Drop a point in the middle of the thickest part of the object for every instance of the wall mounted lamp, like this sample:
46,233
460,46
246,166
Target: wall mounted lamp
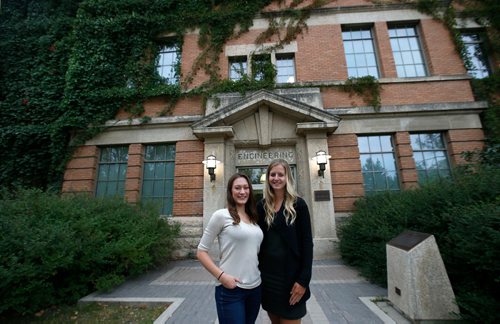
321,159
211,163
263,178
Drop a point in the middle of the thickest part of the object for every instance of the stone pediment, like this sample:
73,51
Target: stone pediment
265,106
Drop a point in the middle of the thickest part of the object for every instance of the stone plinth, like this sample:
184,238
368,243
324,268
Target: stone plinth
417,282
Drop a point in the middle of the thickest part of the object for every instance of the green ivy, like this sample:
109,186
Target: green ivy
69,65
367,87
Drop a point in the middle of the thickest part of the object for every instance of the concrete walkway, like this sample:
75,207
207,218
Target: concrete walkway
339,294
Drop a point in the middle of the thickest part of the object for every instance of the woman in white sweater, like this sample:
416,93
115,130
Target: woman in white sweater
237,294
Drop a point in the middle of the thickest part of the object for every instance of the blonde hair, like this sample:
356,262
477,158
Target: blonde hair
290,194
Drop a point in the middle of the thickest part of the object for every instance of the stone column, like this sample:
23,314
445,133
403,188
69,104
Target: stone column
214,193
321,204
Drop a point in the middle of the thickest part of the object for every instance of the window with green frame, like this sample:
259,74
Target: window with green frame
158,176
112,171
430,156
378,164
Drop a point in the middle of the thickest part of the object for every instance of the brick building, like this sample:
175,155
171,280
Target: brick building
427,117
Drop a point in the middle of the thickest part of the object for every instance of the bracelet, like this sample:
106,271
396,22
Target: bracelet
220,275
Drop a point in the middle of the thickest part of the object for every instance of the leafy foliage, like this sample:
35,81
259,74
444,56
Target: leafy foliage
367,87
56,250
464,217
67,65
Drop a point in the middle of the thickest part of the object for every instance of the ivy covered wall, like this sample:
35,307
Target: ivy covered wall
66,66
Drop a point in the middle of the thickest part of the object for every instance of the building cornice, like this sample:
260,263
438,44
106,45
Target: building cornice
475,107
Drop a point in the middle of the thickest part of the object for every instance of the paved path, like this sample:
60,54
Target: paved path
337,294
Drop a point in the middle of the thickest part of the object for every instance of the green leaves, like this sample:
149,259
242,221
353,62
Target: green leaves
462,214
70,64
56,250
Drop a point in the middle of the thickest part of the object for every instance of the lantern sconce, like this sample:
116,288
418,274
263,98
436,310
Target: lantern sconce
263,178
211,163
321,159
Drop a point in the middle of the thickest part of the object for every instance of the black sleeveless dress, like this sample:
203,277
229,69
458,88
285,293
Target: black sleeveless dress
275,285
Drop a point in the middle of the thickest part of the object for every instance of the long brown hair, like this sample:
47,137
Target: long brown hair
290,194
250,205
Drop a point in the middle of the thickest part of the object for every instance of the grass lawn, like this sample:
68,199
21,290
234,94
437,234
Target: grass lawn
95,313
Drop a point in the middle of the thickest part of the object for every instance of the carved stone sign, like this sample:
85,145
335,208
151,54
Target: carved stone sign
265,156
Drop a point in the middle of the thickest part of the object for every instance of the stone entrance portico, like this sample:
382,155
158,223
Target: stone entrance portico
264,125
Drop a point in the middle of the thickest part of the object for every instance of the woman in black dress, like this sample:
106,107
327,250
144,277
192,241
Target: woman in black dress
286,253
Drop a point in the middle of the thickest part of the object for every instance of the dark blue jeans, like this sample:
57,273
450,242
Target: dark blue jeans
238,305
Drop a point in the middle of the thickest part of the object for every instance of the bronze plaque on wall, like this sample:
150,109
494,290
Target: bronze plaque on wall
408,240
322,195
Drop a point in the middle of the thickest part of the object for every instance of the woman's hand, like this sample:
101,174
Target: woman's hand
228,281
296,294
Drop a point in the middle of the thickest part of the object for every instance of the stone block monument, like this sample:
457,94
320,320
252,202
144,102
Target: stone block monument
417,281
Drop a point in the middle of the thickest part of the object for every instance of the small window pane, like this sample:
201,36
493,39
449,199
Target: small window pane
404,44
410,71
358,46
363,144
348,47
374,142
160,170
350,60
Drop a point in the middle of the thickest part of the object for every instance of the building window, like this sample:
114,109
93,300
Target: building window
378,164
158,176
359,52
112,171
262,68
430,156
237,67
168,64
474,44
285,68
407,51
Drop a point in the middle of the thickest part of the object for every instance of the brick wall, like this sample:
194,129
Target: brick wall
133,182
462,140
347,181
406,164
80,172
188,182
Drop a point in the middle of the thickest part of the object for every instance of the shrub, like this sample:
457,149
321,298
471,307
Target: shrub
56,250
462,214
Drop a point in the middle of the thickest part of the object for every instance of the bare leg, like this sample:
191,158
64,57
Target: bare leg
275,319
285,321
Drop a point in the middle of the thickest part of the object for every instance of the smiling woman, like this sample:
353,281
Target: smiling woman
237,292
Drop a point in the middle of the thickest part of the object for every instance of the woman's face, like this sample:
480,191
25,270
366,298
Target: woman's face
277,178
240,191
